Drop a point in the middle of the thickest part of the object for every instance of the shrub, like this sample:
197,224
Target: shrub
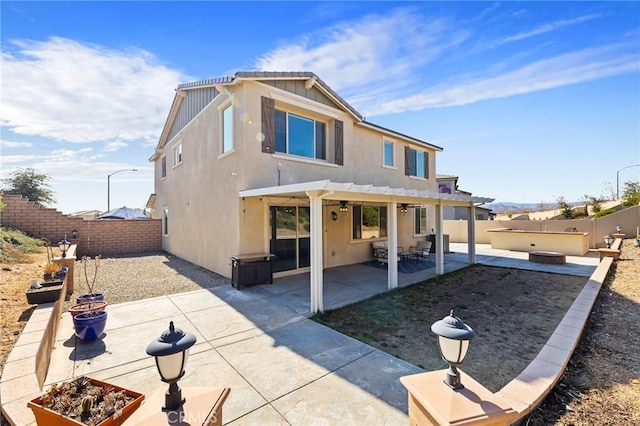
15,244
604,212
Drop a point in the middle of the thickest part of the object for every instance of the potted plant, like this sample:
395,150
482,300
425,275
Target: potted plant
85,401
89,315
50,270
636,242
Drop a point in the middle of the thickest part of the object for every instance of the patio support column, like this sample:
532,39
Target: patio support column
316,274
439,241
471,237
393,243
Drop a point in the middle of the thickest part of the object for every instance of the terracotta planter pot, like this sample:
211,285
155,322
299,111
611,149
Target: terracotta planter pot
45,416
87,307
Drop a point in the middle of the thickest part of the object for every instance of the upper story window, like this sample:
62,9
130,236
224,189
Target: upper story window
177,154
420,221
163,165
416,163
297,135
387,153
227,129
369,222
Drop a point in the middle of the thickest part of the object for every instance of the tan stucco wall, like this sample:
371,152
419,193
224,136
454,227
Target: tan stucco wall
208,222
570,243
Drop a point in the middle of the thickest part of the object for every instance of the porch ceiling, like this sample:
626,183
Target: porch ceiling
351,192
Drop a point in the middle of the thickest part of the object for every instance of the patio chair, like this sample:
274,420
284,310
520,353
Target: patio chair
381,251
423,249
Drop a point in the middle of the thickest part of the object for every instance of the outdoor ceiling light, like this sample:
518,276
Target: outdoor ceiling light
74,234
608,239
334,215
453,341
171,351
64,246
404,208
343,206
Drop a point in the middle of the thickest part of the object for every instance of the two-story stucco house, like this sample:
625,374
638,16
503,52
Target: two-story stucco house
277,162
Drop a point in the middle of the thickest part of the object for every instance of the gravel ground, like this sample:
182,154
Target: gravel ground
143,275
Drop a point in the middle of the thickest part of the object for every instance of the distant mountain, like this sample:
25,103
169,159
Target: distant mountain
518,207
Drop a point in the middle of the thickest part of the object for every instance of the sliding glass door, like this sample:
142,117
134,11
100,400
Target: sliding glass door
290,237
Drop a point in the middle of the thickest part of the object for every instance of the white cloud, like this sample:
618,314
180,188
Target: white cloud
562,70
79,92
372,53
546,28
13,144
114,146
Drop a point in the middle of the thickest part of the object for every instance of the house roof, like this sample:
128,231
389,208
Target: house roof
312,81
352,192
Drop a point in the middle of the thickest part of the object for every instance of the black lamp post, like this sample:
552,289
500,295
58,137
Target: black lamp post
608,239
453,340
171,351
64,246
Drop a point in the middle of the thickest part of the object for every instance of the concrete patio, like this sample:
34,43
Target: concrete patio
282,368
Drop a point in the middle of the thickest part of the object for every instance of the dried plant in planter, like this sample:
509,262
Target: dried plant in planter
86,401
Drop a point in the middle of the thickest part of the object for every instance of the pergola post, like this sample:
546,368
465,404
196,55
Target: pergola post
471,234
392,244
439,240
316,274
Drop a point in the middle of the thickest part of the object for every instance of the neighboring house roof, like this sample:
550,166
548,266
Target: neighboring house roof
312,80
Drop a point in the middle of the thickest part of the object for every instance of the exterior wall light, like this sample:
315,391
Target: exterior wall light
618,229
453,340
608,239
171,351
74,234
334,215
343,206
64,246
404,208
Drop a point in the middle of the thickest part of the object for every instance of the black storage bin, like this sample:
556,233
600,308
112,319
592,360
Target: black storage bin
247,270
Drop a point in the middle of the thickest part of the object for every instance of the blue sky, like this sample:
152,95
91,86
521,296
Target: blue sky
530,100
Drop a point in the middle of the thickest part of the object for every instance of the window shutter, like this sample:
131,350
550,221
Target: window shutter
339,142
268,125
426,165
407,162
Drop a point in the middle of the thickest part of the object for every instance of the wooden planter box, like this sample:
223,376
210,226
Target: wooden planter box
49,292
45,416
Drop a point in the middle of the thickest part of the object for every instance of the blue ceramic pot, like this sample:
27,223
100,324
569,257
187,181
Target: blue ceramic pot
92,297
89,326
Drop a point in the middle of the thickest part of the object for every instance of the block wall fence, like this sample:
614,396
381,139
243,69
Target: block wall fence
96,236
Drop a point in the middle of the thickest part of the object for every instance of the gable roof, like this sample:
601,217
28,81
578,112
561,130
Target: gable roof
311,80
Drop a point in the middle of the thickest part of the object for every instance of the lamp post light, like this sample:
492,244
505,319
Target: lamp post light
109,185
171,351
64,246
608,239
453,340
618,229
618,179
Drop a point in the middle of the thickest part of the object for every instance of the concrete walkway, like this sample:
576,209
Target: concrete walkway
282,368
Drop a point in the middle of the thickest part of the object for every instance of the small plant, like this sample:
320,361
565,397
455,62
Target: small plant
86,260
51,268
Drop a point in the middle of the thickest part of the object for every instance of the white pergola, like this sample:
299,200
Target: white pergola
318,191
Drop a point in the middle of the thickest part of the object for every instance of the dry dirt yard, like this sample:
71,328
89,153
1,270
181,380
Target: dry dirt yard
600,386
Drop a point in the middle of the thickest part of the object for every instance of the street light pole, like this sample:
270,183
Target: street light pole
109,185
618,179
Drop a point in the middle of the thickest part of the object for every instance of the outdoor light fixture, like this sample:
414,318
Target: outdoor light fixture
171,351
74,234
618,229
453,340
404,208
343,206
608,239
64,246
334,215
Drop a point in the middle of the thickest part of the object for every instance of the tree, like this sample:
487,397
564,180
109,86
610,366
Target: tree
565,208
31,185
594,202
631,194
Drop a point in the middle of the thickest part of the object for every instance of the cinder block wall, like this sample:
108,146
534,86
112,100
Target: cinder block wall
105,237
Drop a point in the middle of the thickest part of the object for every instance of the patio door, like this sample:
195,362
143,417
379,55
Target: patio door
290,237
